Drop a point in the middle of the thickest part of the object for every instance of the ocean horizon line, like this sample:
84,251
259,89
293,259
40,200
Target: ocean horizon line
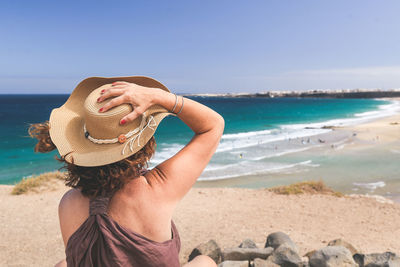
263,92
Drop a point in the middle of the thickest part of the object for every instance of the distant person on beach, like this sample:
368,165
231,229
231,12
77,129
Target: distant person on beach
118,213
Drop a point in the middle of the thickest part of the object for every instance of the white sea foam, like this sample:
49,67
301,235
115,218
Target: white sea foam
243,140
165,153
253,147
270,169
244,134
313,165
370,186
383,111
290,151
234,141
214,167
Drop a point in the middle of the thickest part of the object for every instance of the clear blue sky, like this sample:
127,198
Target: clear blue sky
201,46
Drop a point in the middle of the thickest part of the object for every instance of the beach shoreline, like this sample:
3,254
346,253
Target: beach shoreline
378,135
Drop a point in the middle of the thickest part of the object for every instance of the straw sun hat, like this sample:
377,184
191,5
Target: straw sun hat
86,137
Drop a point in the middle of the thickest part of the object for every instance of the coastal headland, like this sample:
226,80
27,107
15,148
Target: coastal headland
345,93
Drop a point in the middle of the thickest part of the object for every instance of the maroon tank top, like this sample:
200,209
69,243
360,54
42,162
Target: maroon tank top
101,241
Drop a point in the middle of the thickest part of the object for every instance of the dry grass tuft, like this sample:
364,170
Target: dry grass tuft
306,187
43,182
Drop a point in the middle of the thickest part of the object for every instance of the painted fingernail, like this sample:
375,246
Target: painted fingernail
123,122
102,91
100,110
98,99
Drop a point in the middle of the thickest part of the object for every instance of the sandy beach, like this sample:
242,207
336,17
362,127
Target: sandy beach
384,130
30,234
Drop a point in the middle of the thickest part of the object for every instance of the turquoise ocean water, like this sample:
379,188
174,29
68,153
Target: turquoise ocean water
264,137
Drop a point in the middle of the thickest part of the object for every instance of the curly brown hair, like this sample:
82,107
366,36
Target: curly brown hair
102,180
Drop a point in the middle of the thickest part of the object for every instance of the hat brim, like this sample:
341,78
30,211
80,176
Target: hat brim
66,126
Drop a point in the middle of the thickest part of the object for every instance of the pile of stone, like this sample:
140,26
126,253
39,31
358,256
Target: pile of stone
280,250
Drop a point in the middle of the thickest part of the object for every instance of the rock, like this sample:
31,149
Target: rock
387,259
332,256
264,263
359,259
234,264
248,243
240,254
278,238
341,242
285,256
210,249
310,253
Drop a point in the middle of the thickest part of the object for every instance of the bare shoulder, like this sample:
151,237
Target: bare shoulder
73,210
73,199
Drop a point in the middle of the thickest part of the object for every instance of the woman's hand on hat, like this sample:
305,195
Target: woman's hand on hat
127,93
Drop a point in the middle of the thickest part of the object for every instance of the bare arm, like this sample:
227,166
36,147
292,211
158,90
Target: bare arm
175,176
178,174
